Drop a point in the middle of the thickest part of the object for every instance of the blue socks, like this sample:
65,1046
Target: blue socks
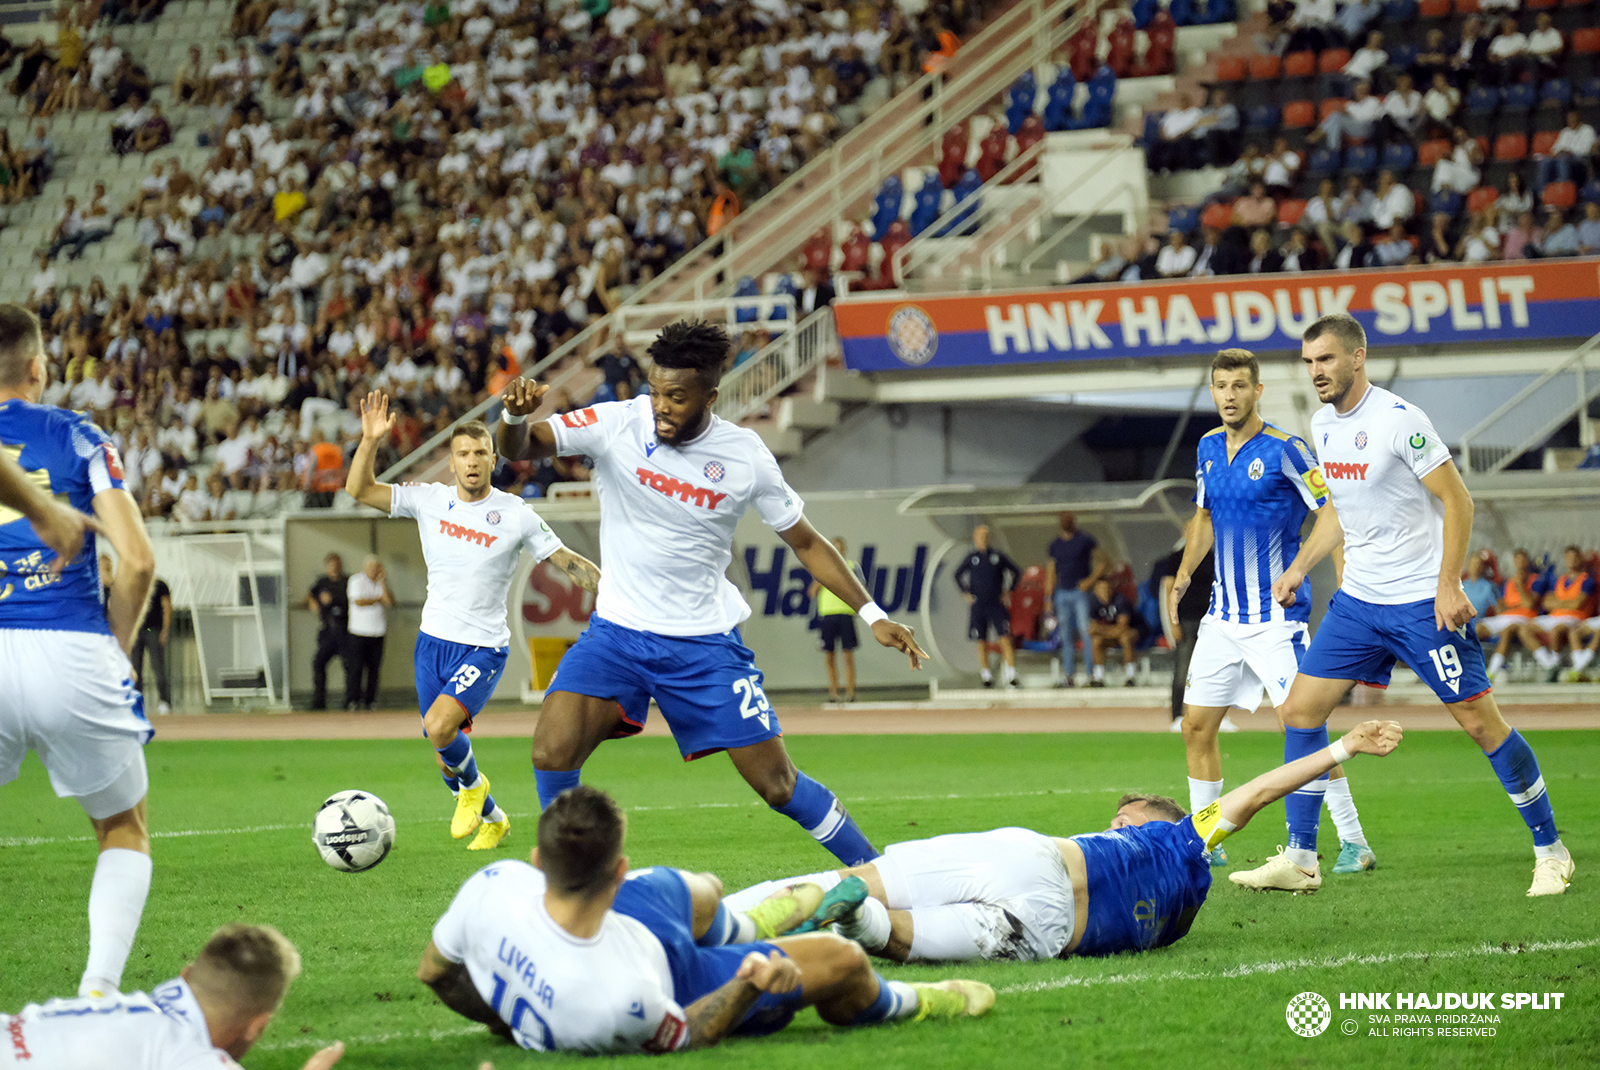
1518,770
722,928
457,758
815,809
552,783
451,781
1304,806
896,999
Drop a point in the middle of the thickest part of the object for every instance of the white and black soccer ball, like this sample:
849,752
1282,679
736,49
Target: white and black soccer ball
353,831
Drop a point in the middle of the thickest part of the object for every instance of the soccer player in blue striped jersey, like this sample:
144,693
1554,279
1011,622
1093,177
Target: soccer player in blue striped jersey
1254,487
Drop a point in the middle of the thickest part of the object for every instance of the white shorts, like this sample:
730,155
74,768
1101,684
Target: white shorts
1003,894
1232,663
1547,622
69,697
1501,621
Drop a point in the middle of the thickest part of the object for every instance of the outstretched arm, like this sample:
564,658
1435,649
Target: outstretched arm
1234,810
824,561
453,985
579,569
521,440
1326,536
362,484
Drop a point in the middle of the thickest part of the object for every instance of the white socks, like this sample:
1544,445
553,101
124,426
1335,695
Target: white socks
1581,659
1497,661
1202,793
1306,860
494,815
1128,669
1097,673
1555,850
1342,808
985,675
869,927
906,999
116,902
1545,658
1008,672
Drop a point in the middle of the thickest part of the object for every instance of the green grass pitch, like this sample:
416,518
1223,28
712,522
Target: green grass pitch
1438,915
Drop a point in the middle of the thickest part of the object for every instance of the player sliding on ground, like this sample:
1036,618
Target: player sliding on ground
472,537
1016,894
1407,519
1254,485
673,481
66,685
575,953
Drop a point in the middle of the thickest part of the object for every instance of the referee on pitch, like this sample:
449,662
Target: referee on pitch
986,576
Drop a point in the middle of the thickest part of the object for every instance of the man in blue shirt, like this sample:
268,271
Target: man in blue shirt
1481,590
83,717
1016,894
1076,563
986,576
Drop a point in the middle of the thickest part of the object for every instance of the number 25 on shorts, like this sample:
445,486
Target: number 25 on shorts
752,700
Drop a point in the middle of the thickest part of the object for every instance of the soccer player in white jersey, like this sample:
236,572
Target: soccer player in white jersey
472,538
1254,485
207,1017
673,481
577,953
1406,518
1016,894
68,691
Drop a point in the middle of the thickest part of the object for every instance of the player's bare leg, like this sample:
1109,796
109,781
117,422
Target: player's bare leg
1200,727
850,675
1544,646
1582,643
1008,656
1518,770
475,809
833,675
983,663
837,978
766,767
117,896
570,727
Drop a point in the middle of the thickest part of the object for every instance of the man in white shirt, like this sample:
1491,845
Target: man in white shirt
208,1016
1367,60
1358,118
472,539
1402,108
1405,517
1178,149
675,481
370,599
1545,44
1395,203
1508,52
1176,258
647,961
1569,156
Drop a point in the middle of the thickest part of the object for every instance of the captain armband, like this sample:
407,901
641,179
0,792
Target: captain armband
1211,825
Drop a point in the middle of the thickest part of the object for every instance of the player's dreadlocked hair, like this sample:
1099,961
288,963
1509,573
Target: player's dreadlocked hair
1157,805
694,344
580,839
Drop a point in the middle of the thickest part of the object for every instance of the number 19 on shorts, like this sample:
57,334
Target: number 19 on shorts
1446,662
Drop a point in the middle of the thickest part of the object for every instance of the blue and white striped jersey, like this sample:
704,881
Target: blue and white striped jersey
71,458
1258,502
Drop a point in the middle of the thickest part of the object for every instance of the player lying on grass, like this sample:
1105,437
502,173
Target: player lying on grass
203,1019
1017,894
472,540
575,953
673,481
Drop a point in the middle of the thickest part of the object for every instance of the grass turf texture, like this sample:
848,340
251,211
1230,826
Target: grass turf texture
1454,863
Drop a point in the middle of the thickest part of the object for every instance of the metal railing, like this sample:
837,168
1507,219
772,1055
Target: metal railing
1531,415
777,366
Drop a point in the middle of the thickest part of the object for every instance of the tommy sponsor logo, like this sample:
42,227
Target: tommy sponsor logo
579,419
456,531
677,488
19,1046
1345,470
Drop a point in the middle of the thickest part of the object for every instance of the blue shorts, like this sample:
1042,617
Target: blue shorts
659,899
708,686
460,671
1361,641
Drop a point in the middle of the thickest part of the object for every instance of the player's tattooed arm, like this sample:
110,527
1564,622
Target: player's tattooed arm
525,439
714,1015
453,985
579,569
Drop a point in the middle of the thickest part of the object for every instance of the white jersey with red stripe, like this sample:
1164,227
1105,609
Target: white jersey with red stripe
471,549
609,993
668,513
165,1030
1374,458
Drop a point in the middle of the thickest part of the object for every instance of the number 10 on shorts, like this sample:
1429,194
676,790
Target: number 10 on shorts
753,700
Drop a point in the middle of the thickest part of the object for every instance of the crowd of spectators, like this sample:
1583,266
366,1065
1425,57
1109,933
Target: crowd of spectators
457,189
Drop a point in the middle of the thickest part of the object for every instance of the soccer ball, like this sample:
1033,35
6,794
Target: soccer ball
353,831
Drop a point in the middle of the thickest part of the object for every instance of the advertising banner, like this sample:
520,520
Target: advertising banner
1459,303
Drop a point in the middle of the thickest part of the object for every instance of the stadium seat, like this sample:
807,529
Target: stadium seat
1519,96
1329,106
1152,130
1264,68
1261,117
1431,152
1544,141
1586,41
1399,156
1322,162
1509,147
1591,191
1447,201
1559,195
1482,99
1299,114
1361,159
1218,216
1143,11
1183,218
746,287
1576,3
1466,7
1290,211
1299,64
886,206
1589,92
1232,68
1332,60
1481,198
1400,10
1555,93
1402,56
1540,5
1434,9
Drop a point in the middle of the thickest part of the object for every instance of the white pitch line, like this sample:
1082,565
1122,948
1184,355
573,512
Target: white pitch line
1332,962
375,1039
